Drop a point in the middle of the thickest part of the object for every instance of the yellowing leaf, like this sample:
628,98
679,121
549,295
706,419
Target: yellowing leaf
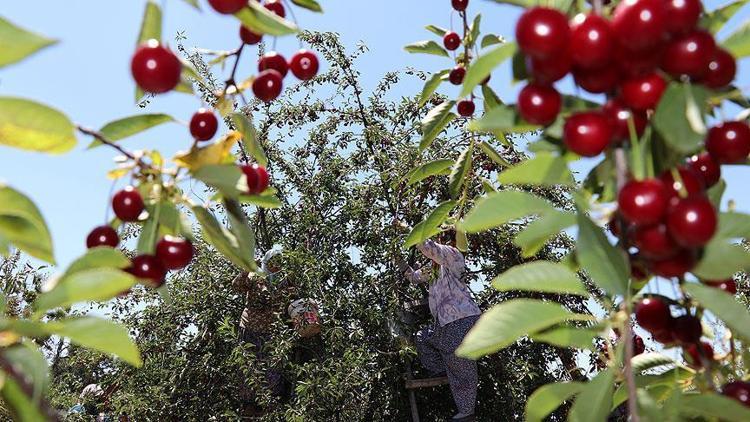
28,125
219,152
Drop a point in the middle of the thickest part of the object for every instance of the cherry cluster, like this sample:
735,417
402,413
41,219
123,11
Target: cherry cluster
171,253
451,42
629,57
156,69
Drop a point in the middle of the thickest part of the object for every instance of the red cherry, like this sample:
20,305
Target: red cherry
664,337
276,7
456,76
547,71
227,7
738,390
643,202
689,54
460,5
304,65
275,61
638,346
682,15
127,204
692,221
451,40
689,181
721,70
538,104
619,115
729,142
148,268
653,314
587,133
639,24
687,329
643,92
203,125
249,37
632,64
102,236
697,356
267,85
706,168
155,68
728,285
597,81
654,242
591,41
174,252
257,178
542,32
465,108
674,266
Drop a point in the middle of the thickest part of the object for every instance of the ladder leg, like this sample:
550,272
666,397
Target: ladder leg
412,397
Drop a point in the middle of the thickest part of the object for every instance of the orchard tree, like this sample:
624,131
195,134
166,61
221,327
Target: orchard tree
655,127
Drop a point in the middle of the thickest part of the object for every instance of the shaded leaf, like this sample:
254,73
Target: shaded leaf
537,233
722,259
429,169
96,284
549,397
431,85
250,138
99,334
426,47
738,43
492,154
264,200
101,257
714,20
151,23
603,262
578,338
460,170
434,123
309,5
440,32
431,225
646,361
595,398
501,118
220,152
724,306
227,179
675,117
491,39
222,239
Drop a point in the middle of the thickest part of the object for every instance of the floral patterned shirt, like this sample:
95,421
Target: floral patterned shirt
450,298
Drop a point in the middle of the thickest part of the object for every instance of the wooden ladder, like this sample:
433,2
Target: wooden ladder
414,384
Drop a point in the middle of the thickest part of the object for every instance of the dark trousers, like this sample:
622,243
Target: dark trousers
437,345
274,378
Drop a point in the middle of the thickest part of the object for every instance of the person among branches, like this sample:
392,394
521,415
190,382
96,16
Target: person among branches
454,312
265,297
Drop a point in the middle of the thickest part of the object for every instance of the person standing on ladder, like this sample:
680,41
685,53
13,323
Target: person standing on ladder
454,312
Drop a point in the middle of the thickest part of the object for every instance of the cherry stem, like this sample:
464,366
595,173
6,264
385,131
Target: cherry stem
101,138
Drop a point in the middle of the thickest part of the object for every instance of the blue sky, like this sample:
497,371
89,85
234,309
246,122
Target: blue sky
87,76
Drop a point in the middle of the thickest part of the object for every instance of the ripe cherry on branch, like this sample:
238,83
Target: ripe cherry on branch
276,7
653,315
692,221
275,61
451,41
155,68
587,133
591,41
174,252
729,285
249,37
267,85
721,70
127,204
203,124
257,178
640,24
304,65
706,168
148,268
456,75
729,142
539,104
643,201
460,5
102,236
465,108
619,115
542,33
227,7
643,93
738,390
689,54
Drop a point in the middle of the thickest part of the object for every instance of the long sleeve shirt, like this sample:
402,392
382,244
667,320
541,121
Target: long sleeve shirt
450,298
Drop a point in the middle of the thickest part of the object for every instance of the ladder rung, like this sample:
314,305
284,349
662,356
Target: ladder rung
426,382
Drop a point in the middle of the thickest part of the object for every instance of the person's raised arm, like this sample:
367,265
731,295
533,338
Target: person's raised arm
441,254
415,276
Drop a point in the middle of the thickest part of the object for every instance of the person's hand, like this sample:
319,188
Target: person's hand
399,225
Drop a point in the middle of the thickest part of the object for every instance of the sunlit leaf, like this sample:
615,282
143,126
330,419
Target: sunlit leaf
724,306
222,239
501,207
227,178
738,43
22,225
101,257
714,20
96,284
431,225
537,233
434,123
440,32
129,126
483,66
430,169
99,334
431,85
250,138
594,399
309,5
578,338
549,397
540,276
675,117
460,170
220,152
426,47
32,126
262,21
18,43
544,169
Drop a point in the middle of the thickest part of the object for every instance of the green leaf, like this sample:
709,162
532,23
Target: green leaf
578,338
491,39
484,64
500,118
505,323
492,154
101,257
426,47
263,201
722,259
434,122
431,85
595,398
226,178
724,306
129,126
30,361
193,3
738,43
262,21
733,225
22,224
309,5
545,169
99,334
149,231
241,230
22,407
491,100
713,406
471,37
549,397
151,23
18,43
646,361
603,262
540,276
460,170
715,192
429,169
32,126
523,3
501,207
96,284
540,231
676,119
431,225
250,138
222,239
714,20
440,32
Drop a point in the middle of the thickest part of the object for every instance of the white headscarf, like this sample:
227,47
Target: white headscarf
275,250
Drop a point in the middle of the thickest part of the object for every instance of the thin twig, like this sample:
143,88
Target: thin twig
101,138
